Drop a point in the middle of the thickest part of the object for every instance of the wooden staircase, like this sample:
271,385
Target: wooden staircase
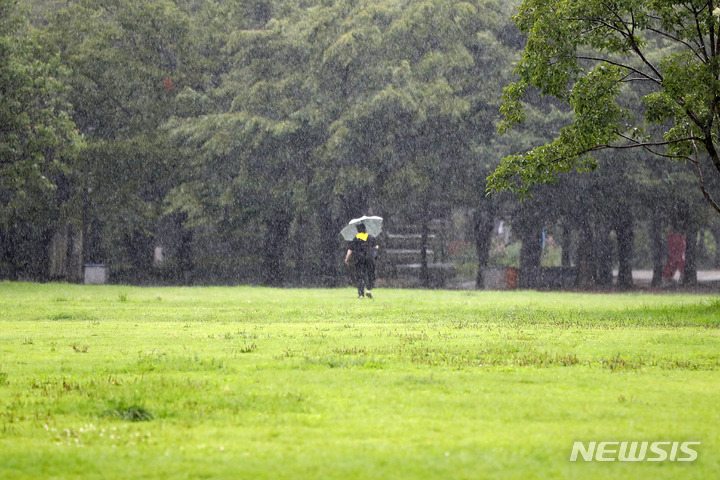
400,261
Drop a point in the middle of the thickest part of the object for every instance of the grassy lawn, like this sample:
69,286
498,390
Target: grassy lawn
255,383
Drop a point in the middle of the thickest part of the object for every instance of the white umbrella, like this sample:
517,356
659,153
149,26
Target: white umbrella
373,226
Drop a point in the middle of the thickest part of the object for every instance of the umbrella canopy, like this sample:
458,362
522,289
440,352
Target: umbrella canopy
373,226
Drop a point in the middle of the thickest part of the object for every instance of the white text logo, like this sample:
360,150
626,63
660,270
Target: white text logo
634,451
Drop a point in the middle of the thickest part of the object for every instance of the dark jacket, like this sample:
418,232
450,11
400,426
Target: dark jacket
362,250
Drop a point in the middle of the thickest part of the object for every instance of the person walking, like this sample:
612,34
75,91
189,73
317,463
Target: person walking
362,252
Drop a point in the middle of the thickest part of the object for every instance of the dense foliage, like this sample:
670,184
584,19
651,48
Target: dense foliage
38,140
591,55
239,136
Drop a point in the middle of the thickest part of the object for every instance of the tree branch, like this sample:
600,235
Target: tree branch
703,58
713,45
710,146
694,161
635,144
636,49
618,64
698,172
629,34
629,79
701,39
701,180
690,138
692,115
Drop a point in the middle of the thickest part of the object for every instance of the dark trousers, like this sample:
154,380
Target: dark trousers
364,275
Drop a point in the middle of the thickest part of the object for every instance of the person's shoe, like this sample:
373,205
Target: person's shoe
360,297
368,294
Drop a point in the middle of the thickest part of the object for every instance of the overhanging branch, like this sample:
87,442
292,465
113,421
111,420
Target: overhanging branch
622,65
701,180
701,47
634,144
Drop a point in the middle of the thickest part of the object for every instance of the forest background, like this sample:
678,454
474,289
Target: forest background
197,142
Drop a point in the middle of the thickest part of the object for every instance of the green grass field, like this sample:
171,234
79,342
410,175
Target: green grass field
254,383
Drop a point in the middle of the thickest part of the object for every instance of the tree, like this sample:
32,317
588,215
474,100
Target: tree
329,111
249,174
129,61
409,85
38,144
589,54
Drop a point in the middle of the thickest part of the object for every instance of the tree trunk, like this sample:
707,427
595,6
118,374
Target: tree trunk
140,249
424,272
329,246
715,229
625,240
657,247
603,255
585,257
41,258
701,255
483,222
690,273
185,256
74,267
8,265
566,245
299,247
530,254
59,251
276,239
93,249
